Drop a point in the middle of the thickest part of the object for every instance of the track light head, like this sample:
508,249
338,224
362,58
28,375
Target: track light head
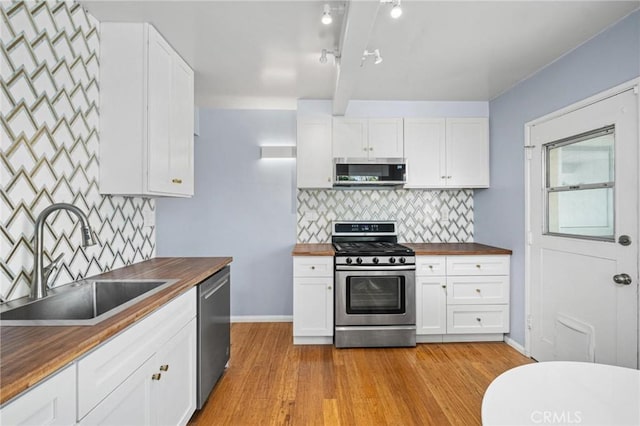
375,53
326,19
325,52
396,10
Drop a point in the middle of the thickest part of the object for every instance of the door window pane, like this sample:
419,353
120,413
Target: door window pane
580,181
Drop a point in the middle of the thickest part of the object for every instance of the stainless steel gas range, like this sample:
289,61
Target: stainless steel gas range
375,291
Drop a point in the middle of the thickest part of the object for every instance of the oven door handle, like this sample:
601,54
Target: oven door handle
376,268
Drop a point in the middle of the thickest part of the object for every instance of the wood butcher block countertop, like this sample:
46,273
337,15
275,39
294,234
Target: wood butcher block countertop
452,249
421,249
29,354
309,249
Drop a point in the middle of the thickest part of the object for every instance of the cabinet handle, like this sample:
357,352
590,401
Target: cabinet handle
175,180
164,367
156,376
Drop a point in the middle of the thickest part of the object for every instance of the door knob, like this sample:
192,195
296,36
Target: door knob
623,279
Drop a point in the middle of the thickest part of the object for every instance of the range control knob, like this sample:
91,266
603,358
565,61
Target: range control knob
359,260
403,260
376,260
392,260
349,261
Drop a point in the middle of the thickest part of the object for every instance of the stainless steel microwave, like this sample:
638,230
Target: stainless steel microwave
387,172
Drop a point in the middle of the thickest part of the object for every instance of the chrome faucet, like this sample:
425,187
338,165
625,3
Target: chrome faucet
40,273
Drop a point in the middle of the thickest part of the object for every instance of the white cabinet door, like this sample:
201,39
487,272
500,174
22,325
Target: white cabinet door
314,162
350,138
159,110
386,138
431,297
53,402
146,114
174,393
424,147
467,152
129,403
180,175
313,306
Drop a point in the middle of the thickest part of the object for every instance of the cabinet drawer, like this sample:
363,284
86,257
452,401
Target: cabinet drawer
313,266
109,365
470,319
430,265
478,290
478,265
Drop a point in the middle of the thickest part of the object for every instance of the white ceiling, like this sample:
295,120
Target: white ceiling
264,54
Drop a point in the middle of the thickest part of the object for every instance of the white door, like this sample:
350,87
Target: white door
582,202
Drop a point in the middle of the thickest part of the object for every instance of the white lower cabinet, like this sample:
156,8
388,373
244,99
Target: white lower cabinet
160,392
462,297
53,402
312,299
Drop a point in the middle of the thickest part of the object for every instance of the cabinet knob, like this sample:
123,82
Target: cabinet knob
329,288
479,319
156,376
430,266
164,367
313,267
477,290
444,286
443,177
329,179
371,149
448,177
175,180
478,266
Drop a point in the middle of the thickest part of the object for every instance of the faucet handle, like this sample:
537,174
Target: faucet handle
47,271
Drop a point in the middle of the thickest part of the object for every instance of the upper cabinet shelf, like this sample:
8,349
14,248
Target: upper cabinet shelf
367,139
439,152
146,114
447,152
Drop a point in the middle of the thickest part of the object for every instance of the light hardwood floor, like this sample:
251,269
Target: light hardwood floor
271,382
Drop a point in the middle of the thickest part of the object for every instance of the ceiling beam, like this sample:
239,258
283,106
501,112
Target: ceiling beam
359,20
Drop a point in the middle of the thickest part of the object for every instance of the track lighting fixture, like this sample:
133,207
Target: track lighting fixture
396,10
327,17
325,52
375,53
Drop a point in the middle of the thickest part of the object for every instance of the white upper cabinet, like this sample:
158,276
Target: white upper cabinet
146,114
367,138
314,165
447,152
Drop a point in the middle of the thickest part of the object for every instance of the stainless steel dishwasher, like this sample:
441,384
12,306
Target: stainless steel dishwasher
214,297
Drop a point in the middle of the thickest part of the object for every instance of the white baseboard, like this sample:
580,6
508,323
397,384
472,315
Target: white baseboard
262,318
515,345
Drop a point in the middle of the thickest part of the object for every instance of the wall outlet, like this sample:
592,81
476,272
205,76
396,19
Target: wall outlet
149,218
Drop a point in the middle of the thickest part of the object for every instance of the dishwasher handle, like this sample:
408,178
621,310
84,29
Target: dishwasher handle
216,286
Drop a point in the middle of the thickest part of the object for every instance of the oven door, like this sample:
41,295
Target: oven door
375,296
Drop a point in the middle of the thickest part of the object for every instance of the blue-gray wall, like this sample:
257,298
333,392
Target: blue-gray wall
243,207
609,59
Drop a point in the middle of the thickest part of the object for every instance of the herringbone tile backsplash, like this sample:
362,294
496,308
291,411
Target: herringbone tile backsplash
49,140
423,216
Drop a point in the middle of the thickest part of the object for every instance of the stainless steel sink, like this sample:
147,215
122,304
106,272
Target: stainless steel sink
86,302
